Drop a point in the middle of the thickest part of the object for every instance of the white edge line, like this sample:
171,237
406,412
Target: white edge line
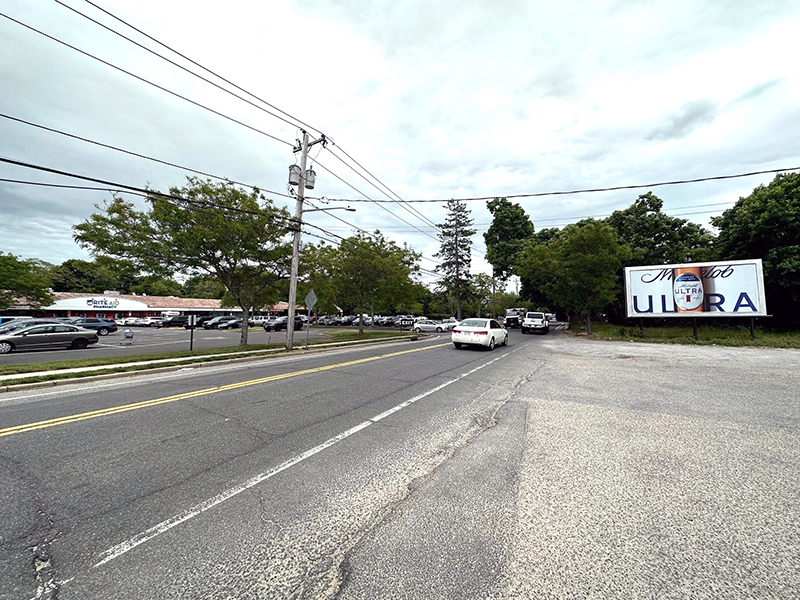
149,534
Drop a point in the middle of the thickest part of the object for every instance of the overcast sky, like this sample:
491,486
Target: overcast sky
437,99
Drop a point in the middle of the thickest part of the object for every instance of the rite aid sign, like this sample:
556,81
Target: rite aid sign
718,289
99,303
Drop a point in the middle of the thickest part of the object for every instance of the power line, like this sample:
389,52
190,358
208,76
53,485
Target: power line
306,125
138,155
170,61
582,191
148,82
411,210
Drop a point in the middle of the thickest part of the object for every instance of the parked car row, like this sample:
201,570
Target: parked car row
34,334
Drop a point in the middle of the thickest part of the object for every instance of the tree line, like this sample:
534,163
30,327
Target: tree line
577,270
234,245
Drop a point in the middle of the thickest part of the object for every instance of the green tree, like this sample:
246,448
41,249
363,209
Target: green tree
577,270
23,280
766,225
317,264
455,252
373,272
203,286
510,229
656,238
94,277
153,285
237,236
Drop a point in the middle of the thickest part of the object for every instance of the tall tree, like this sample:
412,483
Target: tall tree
656,238
203,286
455,253
371,271
510,229
237,236
23,280
317,264
577,270
766,225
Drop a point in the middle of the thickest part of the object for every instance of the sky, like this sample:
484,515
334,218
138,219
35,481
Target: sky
436,100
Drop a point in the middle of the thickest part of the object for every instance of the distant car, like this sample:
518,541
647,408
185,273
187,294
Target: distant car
101,326
279,324
325,320
199,321
260,320
535,321
403,321
127,321
47,336
175,321
428,325
151,322
214,323
479,332
230,324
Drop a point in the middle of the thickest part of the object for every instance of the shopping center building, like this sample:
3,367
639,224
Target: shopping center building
111,305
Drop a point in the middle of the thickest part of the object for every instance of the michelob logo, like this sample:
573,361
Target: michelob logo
688,292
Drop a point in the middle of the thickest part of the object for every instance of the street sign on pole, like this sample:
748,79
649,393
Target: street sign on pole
311,300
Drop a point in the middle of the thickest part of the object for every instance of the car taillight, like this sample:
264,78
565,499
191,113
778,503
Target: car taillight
456,331
481,333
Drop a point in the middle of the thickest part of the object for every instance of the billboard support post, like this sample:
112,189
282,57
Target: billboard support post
694,327
752,328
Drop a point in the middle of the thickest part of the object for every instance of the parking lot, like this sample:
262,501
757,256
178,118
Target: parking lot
149,340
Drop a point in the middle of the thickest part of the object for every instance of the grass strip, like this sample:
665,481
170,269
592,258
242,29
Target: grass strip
733,335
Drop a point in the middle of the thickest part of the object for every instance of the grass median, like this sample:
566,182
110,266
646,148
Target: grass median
28,372
720,335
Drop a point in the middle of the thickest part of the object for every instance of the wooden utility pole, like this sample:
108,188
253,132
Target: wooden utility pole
298,217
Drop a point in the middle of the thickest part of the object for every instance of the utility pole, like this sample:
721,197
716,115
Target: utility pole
458,276
298,217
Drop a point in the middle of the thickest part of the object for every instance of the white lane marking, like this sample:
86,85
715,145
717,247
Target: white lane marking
164,526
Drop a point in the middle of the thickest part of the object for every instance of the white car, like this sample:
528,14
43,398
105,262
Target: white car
479,332
429,325
535,321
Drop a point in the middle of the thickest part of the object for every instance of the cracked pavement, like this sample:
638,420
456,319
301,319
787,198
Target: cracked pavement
565,469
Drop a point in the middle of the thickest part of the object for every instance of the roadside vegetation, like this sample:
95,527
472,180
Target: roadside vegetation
716,335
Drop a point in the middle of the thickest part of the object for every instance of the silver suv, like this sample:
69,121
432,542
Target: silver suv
535,321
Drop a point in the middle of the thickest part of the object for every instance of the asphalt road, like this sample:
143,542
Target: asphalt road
553,468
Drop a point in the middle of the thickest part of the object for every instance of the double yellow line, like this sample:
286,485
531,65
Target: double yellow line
204,392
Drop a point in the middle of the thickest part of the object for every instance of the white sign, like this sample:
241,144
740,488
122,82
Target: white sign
718,289
98,303
311,299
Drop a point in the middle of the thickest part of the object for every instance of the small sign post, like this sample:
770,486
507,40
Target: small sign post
311,300
192,321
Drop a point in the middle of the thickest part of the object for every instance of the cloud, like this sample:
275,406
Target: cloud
685,120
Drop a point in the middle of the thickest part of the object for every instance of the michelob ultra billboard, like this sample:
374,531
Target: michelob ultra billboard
718,289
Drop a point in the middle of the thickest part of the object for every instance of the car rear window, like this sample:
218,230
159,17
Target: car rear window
474,323
534,316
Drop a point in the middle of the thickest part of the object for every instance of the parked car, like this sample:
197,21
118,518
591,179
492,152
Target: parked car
279,324
199,321
178,321
429,325
54,335
325,320
101,326
479,332
214,323
260,320
127,321
535,321
17,325
151,322
403,321
231,324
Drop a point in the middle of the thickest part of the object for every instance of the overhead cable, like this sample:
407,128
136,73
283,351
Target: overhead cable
148,82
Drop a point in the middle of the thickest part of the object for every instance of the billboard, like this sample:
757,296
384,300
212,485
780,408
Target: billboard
711,289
